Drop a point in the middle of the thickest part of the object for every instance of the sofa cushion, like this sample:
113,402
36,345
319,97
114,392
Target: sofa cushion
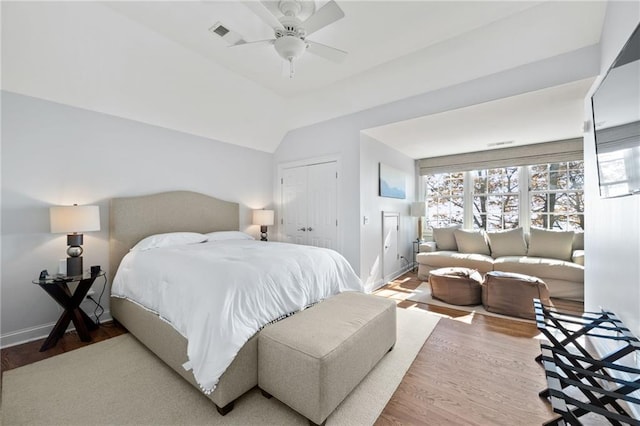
442,259
507,243
444,238
540,267
550,244
578,257
471,241
578,241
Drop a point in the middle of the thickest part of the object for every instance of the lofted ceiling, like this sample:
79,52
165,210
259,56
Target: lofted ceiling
158,63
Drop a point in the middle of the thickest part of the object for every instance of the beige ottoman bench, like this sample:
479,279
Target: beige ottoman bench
457,286
312,360
509,293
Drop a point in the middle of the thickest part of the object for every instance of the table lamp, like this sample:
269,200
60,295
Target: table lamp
72,220
419,210
263,218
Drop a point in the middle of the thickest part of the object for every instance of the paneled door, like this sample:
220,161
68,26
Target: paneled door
309,204
390,245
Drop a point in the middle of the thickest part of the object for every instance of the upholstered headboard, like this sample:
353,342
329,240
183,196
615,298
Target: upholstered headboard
134,218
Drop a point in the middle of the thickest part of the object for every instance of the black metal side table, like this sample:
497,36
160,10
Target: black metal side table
416,250
58,288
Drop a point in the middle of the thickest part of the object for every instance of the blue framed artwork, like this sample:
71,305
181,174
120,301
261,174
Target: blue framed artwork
392,182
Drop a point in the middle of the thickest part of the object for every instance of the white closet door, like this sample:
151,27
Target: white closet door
309,204
294,204
322,222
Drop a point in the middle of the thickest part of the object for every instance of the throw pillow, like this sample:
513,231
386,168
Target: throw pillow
471,241
507,243
444,238
550,244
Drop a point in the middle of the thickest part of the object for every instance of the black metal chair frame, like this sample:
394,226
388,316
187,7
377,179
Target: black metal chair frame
572,371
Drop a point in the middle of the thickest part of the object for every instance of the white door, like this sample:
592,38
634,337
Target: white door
391,255
294,203
309,204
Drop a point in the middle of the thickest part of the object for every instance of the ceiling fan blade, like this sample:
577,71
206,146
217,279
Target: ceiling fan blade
327,52
327,14
263,13
247,43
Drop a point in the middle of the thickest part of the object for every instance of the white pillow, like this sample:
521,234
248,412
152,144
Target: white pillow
168,240
471,241
228,235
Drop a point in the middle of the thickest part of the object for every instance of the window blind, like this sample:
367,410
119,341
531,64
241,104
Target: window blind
525,155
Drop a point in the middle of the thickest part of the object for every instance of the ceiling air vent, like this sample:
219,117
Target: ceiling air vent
220,30
228,35
500,143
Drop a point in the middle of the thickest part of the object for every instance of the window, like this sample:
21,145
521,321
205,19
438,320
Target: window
548,196
496,198
445,199
557,197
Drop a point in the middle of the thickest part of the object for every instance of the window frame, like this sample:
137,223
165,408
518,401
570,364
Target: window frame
525,194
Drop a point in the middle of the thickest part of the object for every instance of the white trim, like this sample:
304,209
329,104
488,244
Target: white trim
40,332
380,282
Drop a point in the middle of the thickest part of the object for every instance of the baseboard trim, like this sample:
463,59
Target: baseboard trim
30,334
381,282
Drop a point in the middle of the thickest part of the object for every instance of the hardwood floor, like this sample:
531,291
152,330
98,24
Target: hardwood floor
473,369
27,353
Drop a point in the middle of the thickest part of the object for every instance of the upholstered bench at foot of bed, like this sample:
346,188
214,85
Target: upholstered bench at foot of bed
314,359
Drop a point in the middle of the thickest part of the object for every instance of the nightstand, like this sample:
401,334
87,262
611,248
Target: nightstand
58,288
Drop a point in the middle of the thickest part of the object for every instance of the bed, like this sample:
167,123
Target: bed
135,218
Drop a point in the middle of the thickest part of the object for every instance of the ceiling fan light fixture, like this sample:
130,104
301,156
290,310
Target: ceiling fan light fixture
289,47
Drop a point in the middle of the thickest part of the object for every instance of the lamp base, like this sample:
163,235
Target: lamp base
263,233
74,266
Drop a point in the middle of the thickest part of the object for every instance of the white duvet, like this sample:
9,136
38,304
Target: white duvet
219,294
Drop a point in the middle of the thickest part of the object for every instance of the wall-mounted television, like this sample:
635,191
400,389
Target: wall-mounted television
616,122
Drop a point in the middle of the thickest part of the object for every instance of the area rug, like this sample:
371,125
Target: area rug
119,382
422,294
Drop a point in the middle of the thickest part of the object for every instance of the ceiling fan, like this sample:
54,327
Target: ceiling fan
290,32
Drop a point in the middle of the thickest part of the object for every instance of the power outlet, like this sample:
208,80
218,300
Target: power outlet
91,292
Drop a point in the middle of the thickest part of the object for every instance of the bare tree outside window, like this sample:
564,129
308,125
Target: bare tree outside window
496,199
557,195
444,194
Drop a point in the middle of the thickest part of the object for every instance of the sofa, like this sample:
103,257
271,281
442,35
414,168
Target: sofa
555,257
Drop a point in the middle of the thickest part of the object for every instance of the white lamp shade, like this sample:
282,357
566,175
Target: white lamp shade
418,209
263,217
74,219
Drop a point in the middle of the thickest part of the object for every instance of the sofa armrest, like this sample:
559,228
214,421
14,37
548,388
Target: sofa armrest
428,247
578,257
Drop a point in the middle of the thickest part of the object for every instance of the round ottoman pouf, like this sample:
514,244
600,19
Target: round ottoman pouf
457,286
512,294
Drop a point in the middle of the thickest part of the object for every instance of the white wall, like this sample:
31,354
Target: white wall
612,235
336,139
54,154
372,205
341,136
